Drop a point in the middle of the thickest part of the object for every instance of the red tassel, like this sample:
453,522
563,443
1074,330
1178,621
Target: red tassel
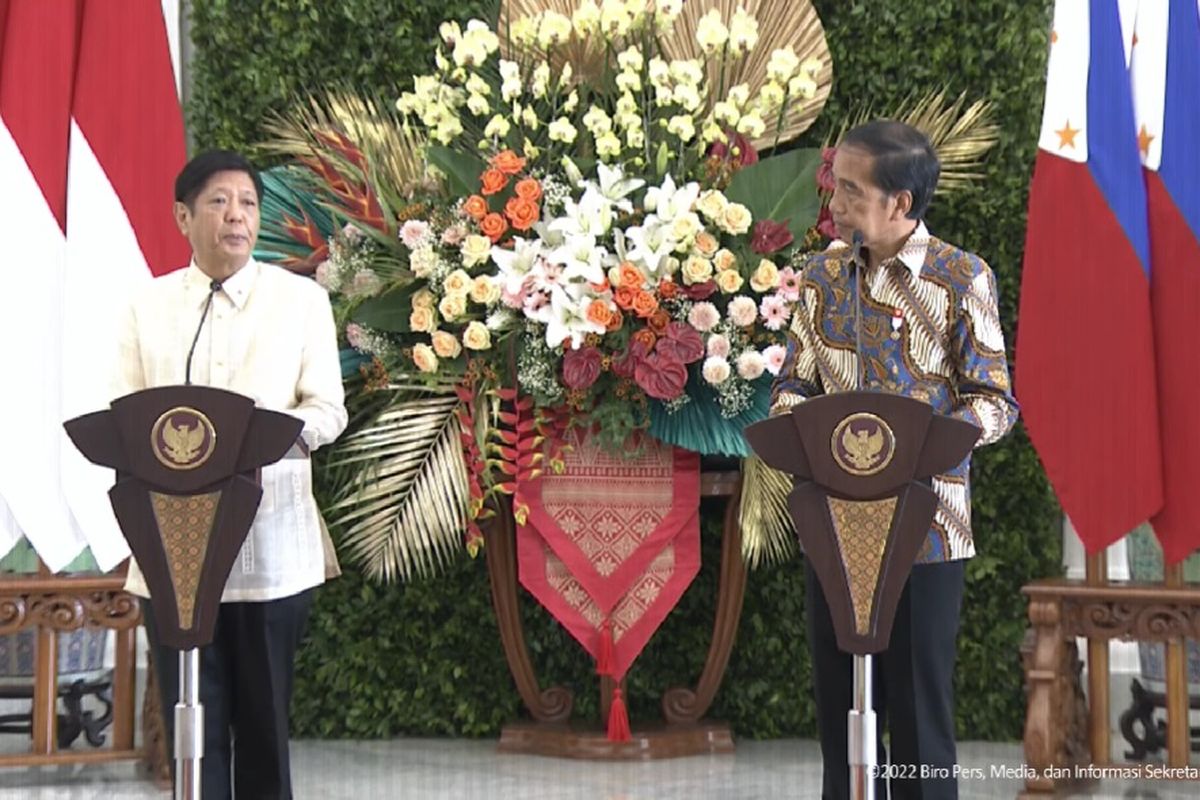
618,718
604,656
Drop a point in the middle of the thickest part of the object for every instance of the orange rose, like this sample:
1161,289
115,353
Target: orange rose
598,313
659,321
644,304
615,320
668,288
493,180
529,189
521,213
646,337
630,276
601,287
508,162
624,297
476,207
493,226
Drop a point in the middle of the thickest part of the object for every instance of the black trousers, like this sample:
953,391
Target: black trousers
246,689
913,683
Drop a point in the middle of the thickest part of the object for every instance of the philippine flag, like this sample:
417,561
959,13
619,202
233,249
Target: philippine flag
1165,68
1086,375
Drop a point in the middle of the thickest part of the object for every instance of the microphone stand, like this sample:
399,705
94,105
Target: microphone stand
189,711
861,718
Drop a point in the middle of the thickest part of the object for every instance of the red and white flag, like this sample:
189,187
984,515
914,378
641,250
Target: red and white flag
92,133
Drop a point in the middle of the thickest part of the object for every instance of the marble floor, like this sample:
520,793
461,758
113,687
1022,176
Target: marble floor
437,769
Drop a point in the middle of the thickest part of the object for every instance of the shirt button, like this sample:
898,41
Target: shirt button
895,370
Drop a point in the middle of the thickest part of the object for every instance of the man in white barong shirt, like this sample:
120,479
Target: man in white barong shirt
269,335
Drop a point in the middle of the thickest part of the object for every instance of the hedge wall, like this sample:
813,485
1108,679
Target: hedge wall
425,658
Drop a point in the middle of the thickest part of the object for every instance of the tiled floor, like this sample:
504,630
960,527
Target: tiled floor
436,769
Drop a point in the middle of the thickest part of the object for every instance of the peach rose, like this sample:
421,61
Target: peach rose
453,306
696,270
507,162
423,299
644,304
521,212
484,290
492,181
529,189
424,357
598,313
765,277
493,226
724,259
421,320
477,336
446,345
706,244
630,276
729,281
457,282
475,207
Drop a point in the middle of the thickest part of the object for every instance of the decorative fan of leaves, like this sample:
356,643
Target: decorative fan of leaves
392,153
768,535
403,509
781,23
962,134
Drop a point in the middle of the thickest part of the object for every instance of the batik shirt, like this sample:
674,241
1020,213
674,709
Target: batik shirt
930,330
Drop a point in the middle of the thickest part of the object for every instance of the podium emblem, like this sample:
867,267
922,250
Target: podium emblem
183,438
863,444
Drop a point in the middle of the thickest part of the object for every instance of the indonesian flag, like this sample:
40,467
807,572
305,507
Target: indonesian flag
1086,374
1165,68
91,138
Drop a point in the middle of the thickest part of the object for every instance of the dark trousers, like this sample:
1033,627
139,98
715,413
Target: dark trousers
913,683
246,689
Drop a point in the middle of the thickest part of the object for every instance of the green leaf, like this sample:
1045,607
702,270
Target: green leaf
387,312
781,188
462,169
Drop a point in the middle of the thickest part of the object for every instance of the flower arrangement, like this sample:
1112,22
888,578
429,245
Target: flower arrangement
581,216
594,233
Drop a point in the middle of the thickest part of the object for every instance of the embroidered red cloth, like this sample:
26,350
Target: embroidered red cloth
612,538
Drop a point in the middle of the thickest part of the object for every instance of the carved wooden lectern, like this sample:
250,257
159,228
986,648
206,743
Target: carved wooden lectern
862,504
187,461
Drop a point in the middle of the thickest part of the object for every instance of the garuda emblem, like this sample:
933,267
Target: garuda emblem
863,444
183,438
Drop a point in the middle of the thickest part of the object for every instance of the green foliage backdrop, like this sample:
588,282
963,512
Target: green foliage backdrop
425,658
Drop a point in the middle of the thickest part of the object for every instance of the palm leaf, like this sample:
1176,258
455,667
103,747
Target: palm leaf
781,23
405,509
768,534
960,134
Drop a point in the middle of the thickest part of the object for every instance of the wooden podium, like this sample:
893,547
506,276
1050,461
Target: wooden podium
862,503
187,460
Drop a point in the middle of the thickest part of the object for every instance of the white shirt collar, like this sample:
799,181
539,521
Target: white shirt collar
912,254
236,287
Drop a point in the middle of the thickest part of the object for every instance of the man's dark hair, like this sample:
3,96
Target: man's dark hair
195,174
904,160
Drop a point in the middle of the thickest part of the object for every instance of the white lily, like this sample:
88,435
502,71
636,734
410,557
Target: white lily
568,320
515,264
651,245
615,187
668,202
581,259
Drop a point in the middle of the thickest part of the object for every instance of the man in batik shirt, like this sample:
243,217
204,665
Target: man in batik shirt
930,329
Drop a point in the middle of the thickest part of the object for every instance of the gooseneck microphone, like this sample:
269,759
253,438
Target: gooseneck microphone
212,290
858,270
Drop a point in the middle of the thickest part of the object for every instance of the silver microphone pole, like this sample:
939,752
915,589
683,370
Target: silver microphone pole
861,722
189,727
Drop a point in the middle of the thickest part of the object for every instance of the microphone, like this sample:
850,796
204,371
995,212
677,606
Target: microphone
857,243
212,290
